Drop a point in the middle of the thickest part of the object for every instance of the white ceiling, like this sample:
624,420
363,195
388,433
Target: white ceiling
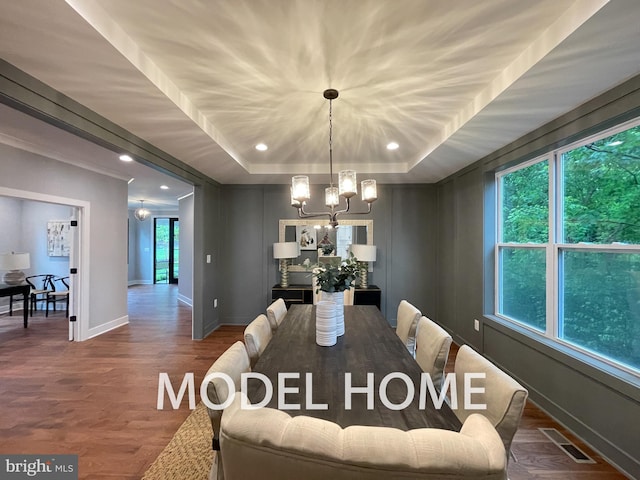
450,81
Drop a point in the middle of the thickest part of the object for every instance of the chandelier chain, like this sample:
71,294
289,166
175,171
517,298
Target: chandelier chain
331,143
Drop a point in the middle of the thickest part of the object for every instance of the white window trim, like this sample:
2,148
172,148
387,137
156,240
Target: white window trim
554,247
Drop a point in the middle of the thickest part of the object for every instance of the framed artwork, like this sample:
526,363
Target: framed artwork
59,238
306,237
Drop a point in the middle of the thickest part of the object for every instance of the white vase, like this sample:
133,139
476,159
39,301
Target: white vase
326,323
338,299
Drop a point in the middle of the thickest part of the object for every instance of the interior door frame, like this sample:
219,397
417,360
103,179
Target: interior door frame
79,256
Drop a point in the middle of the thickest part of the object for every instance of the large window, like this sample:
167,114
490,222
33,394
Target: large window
568,249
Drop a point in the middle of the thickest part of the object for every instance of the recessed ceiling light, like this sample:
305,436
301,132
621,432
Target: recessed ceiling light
392,146
126,158
261,146
614,144
164,187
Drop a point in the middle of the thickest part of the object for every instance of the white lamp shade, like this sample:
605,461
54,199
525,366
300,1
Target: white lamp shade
14,261
286,250
364,253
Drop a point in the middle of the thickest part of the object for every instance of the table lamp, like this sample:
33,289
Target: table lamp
14,263
284,251
364,254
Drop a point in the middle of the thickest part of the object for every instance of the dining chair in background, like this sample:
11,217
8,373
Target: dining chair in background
257,336
233,362
40,287
276,313
407,324
504,397
432,349
59,293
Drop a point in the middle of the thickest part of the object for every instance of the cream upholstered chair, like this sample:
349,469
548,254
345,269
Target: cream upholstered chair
432,349
269,444
276,313
407,323
233,362
348,296
257,336
505,398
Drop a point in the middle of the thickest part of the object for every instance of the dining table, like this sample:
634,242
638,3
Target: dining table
342,383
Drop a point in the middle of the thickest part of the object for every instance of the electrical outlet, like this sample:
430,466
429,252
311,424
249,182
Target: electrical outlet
215,303
208,258
476,324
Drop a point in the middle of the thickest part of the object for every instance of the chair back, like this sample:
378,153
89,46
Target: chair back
257,336
63,284
432,349
407,324
40,283
276,313
269,444
504,397
233,362
348,295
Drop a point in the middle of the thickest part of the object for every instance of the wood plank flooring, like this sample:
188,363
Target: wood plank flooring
97,398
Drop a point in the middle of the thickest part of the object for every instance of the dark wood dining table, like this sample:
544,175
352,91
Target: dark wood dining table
368,346
22,289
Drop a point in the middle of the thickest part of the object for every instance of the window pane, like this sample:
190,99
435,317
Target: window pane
601,304
525,204
602,190
523,285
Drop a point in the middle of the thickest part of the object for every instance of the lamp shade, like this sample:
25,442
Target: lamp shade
14,261
286,250
364,253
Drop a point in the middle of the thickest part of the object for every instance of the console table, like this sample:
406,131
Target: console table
24,290
303,294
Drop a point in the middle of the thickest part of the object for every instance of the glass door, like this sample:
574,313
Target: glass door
166,250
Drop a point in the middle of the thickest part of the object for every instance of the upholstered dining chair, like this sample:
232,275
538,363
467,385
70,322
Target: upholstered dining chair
276,313
58,294
504,397
257,336
233,362
432,349
407,323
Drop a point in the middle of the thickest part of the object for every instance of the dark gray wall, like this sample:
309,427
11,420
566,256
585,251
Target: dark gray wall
404,220
208,277
600,404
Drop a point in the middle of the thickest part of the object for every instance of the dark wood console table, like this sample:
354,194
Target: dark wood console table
24,290
303,294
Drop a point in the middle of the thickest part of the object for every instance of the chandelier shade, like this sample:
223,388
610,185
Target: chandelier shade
142,213
347,184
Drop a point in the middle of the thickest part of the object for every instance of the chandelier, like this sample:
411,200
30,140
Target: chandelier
347,184
142,213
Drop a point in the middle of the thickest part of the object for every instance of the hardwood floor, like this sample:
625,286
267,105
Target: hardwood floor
98,398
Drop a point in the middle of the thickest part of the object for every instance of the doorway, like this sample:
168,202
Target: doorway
166,250
78,258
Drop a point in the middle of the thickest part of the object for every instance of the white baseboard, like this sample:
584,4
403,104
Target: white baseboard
139,282
186,300
5,309
106,327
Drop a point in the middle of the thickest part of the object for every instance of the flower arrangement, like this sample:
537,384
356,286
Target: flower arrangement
336,278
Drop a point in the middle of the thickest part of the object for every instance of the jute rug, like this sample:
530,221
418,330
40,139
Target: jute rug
188,456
